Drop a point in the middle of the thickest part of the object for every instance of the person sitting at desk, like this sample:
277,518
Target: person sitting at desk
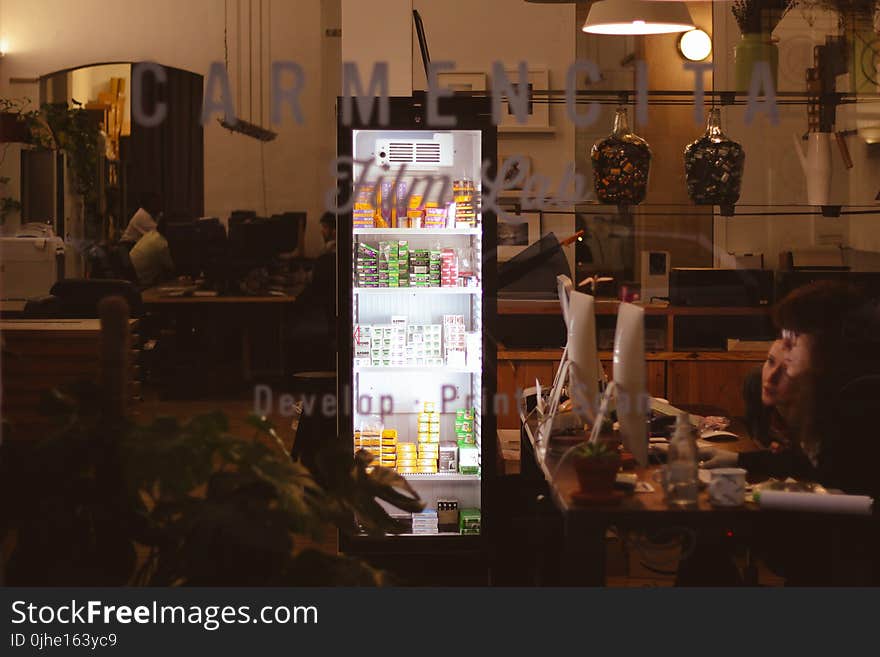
144,220
769,398
328,232
831,336
314,332
151,257
832,355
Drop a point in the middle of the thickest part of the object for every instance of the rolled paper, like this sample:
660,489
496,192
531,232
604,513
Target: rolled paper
817,502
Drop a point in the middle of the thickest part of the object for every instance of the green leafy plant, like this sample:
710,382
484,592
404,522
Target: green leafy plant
597,451
8,205
102,500
67,128
72,130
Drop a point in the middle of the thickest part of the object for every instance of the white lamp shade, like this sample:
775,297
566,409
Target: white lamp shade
638,17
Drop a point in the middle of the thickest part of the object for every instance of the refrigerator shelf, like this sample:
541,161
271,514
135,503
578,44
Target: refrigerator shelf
442,476
422,535
416,369
417,290
418,231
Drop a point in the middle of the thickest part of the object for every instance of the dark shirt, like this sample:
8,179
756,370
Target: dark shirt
848,452
848,459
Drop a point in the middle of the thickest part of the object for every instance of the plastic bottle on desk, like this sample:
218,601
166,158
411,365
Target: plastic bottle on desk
681,465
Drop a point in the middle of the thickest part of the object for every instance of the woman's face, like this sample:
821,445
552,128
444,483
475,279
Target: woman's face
798,347
775,382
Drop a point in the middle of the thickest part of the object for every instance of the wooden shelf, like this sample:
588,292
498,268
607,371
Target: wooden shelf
556,354
526,130
610,307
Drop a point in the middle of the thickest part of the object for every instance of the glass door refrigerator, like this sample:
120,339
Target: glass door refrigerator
416,307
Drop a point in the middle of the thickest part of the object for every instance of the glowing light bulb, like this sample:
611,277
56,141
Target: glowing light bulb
695,45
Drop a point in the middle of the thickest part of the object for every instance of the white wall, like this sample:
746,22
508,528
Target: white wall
380,31
49,35
475,33
773,173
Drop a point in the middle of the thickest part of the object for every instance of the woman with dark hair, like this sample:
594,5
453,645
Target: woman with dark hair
769,397
831,339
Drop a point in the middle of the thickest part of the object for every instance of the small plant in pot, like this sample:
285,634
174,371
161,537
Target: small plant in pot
596,464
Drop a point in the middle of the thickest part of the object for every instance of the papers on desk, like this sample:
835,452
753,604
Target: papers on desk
705,449
662,407
177,291
718,436
816,502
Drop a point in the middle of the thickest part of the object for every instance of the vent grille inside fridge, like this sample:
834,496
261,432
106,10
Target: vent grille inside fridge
417,153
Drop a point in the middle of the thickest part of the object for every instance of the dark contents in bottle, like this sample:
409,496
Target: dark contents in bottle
714,171
620,169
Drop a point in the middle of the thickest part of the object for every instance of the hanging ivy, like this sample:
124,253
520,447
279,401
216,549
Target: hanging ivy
72,130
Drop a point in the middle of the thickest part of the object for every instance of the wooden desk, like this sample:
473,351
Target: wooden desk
585,527
257,320
155,296
39,355
12,308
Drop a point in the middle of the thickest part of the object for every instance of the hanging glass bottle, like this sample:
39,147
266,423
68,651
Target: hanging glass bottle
713,166
621,163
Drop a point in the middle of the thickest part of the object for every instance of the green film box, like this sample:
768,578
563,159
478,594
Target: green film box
469,521
468,458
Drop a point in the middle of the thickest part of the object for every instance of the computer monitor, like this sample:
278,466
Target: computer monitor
181,242
564,286
630,387
584,372
253,242
288,228
210,249
241,215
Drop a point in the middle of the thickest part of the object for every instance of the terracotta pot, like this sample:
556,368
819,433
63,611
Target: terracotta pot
596,476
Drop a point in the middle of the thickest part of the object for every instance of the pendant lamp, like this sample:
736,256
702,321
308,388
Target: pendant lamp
628,17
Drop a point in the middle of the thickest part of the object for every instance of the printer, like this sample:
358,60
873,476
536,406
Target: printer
31,262
704,286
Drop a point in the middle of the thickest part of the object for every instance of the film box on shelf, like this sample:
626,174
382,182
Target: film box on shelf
468,458
469,521
447,515
448,457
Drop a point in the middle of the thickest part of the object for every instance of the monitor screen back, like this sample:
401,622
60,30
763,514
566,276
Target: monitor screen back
633,403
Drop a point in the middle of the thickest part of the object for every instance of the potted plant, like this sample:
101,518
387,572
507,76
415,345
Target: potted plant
756,20
105,501
596,464
66,128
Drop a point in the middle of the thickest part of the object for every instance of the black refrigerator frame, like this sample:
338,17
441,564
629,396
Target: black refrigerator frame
410,113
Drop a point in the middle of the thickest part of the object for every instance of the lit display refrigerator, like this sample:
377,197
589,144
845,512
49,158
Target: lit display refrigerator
416,308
